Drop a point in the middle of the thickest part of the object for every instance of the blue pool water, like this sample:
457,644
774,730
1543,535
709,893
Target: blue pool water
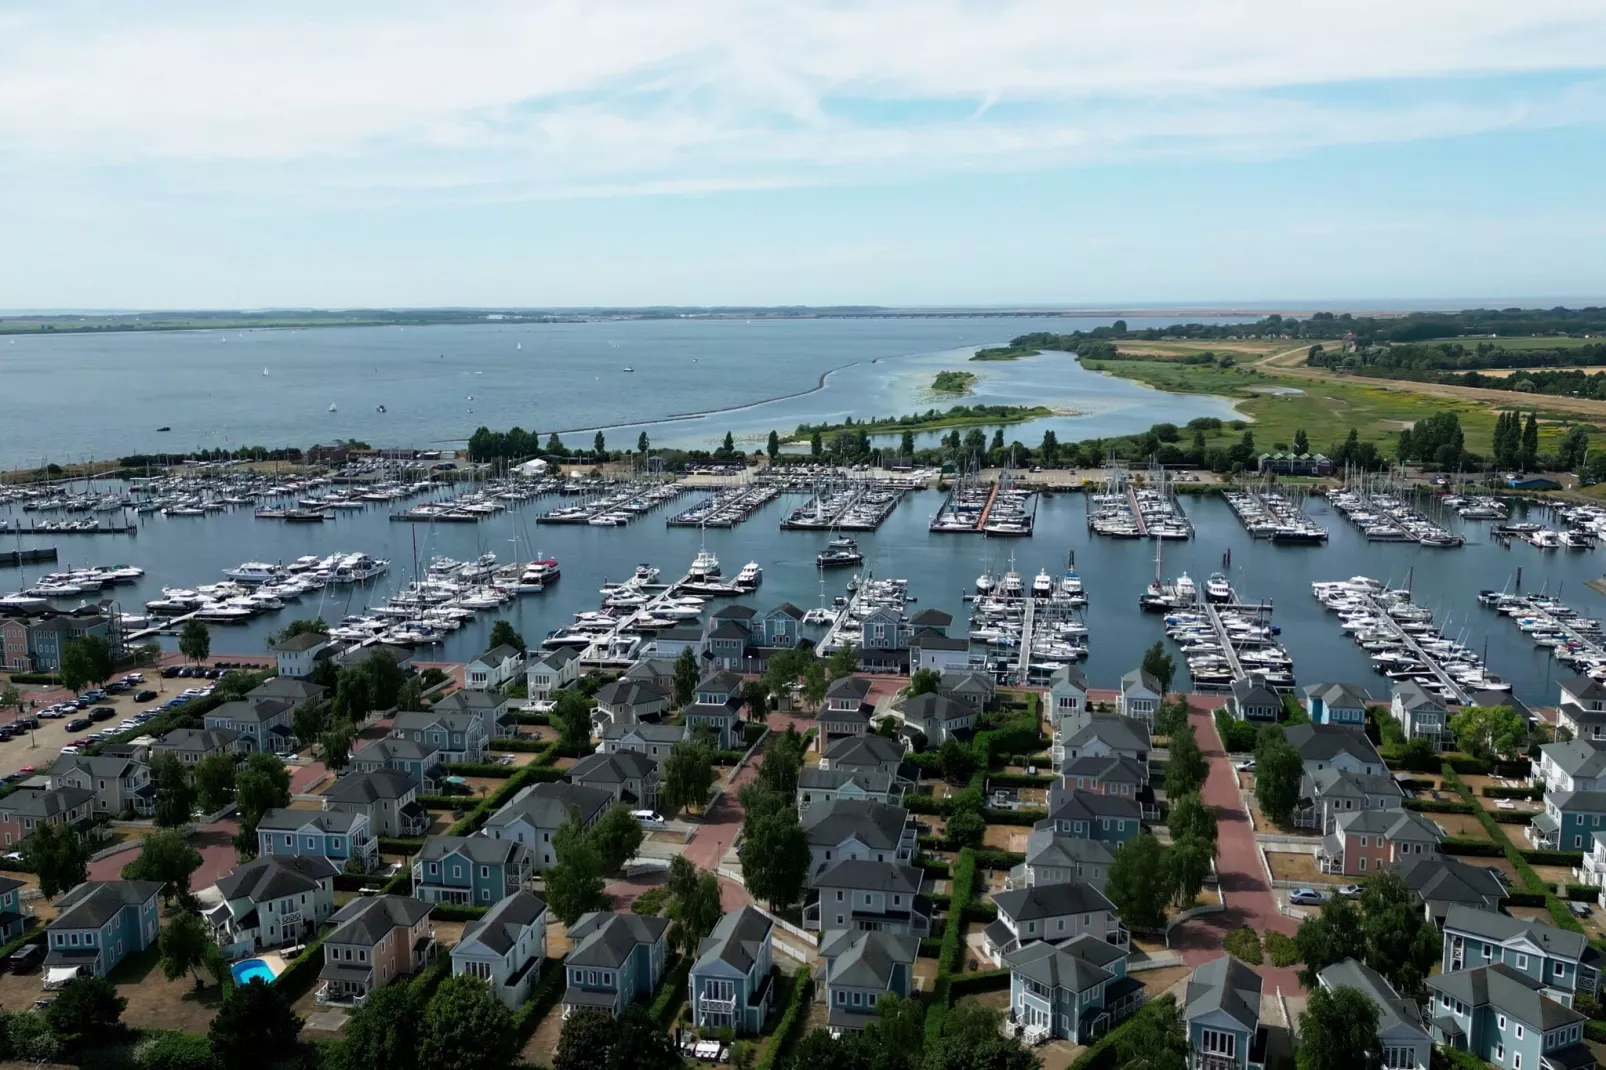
252,970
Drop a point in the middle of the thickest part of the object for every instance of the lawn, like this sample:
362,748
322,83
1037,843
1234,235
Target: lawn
1466,826
1006,837
1296,866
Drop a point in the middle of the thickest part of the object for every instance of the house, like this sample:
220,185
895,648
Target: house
456,735
616,958
389,800
1327,793
356,653
1364,841
1576,765
27,808
1443,883
851,828
944,653
297,656
728,636
860,968
551,671
667,644
1076,990
644,737
1140,695
421,761
1067,697
35,643
1569,820
375,940
860,894
1221,1009
271,901
1421,714
119,784
630,777
1052,912
716,708
1503,1016
262,725
1582,708
1335,704
731,984
816,784
659,672
190,745
490,708
505,948
974,689
494,670
867,753
12,920
1053,857
534,815
1110,775
1593,870
846,713
939,718
1332,747
626,701
884,641
1400,1033
99,923
1251,699
1563,963
470,870
780,628
291,689
1106,736
1092,815
339,837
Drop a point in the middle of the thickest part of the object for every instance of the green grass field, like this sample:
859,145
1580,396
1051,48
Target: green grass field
1518,343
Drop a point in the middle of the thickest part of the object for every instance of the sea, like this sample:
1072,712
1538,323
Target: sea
940,569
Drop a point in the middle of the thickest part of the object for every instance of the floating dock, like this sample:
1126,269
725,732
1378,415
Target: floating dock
857,505
18,558
725,508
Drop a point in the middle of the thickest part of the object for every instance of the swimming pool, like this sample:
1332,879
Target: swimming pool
249,970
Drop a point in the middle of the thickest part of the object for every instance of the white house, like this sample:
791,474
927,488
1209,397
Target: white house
298,654
552,671
494,669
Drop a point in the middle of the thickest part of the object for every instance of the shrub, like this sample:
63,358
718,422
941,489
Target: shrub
650,902
792,1018
173,1051
1281,949
1245,943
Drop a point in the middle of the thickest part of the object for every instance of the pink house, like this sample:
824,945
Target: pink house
375,941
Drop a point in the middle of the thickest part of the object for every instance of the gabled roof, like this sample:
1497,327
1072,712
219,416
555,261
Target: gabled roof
1345,696
856,687
1404,825
786,609
1252,691
722,681
39,803
871,781
867,959
547,805
298,691
1139,678
1075,804
1112,768
1448,880
498,654
94,903
615,768
1343,783
558,657
964,680
1224,984
870,876
1502,929
391,748
628,692
444,715
864,751
105,765
1045,847
366,920
254,711
1584,689
382,784
303,641
602,939
931,618
1576,801
647,668
1051,900
198,739
879,826
499,930
1054,967
1392,1011
1324,742
481,850
938,641
286,819
738,939
736,612
932,708
1412,695
729,629
276,876
466,701
648,732
1514,993
1577,757
1114,731
1068,676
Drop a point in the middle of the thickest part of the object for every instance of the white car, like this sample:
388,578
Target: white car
1245,766
648,817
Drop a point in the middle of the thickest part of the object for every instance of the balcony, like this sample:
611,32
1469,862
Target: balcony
1543,832
1593,871
716,1012
1117,934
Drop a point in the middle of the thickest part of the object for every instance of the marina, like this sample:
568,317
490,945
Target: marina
615,507
1387,516
1271,514
1130,508
1571,638
847,505
725,508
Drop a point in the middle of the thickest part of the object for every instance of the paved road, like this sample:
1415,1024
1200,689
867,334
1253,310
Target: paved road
1243,881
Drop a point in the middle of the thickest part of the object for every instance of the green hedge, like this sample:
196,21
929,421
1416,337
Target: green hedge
930,947
448,802
520,717
1461,845
1555,858
482,769
530,746
543,997
792,1019
302,973
988,858
963,888
670,991
49,679
457,912
1582,893
1013,817
1237,737
1440,806
934,867
1020,780
1533,794
1595,1030
1101,1056
925,804
982,981
399,845
1525,899
1511,817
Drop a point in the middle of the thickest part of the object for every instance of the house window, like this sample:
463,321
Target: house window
1522,962
841,997
1519,1030
1516,1060
1216,1042
1501,1023
1500,1052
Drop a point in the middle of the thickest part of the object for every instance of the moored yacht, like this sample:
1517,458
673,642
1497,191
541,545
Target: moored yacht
1218,588
838,553
255,572
704,566
985,583
750,576
1042,584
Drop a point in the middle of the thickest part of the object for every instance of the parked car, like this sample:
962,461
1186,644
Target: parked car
648,817
95,695
29,723
7,732
170,672
1246,766
117,687
144,696
78,724
103,713
1347,889
1306,897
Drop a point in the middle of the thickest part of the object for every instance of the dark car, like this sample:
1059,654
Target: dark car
26,723
25,958
144,696
170,672
78,724
7,732
103,713
117,687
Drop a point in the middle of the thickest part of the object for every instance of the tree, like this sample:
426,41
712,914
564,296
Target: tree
175,795
10,696
728,446
775,855
586,1041
184,944
688,775
695,910
1156,1039
315,626
354,697
1191,817
783,758
906,444
467,1028
263,785
167,858
1158,664
1170,716
574,882
503,634
642,443
87,660
385,679
1529,456
686,676
1338,1031
214,781
756,695
958,761
639,1043
1188,867
384,1031
1301,441
1278,772
773,446
1185,766
1137,882
254,1028
309,720
86,1013
1331,936
195,641
616,837
1489,732
599,446
59,855
844,661
336,745
1401,944
923,682
573,711
965,829
411,695
814,683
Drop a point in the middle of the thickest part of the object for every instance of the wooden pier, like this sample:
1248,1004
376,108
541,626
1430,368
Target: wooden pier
99,529
18,558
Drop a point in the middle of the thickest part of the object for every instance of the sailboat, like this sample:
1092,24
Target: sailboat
264,373
819,615
331,406
519,346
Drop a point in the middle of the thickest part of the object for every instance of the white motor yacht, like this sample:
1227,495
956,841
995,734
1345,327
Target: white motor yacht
985,583
750,576
1042,584
704,566
255,572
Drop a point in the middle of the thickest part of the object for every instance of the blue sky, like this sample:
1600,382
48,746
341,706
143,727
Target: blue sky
583,153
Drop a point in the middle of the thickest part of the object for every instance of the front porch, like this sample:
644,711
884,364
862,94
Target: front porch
1544,832
344,986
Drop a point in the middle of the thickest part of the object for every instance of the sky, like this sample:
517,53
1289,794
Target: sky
205,155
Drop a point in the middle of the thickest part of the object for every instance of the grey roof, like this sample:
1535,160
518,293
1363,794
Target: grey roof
1342,782
932,707
1404,825
871,781
932,618
1224,984
722,681
1501,928
1324,742
365,920
498,654
558,657
648,668
394,748
39,803
1252,691
1502,698
104,765
649,732
628,692
864,751
1113,730
466,701
303,641
877,825
738,939
275,876
1587,801
501,926
938,641
288,687
371,787
1045,847
868,876
481,850
1139,678
1412,695
1068,675
848,687
94,903
1584,687
286,819
1339,694
787,609
1577,757
963,680
736,612
1574,712
613,768
451,715
1114,768
867,959
1075,804
1054,967
729,629
1392,1011
608,939
547,805
1051,901
1448,881
1514,993
197,739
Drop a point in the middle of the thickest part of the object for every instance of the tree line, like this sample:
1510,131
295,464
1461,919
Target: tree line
1453,356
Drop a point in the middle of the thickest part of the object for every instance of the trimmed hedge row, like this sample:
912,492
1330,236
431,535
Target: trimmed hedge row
964,888
670,991
457,912
448,802
1019,780
989,858
983,981
1461,845
481,769
1582,893
530,746
1101,1056
1533,794
399,845
543,997
1013,817
791,1019
1440,806
302,973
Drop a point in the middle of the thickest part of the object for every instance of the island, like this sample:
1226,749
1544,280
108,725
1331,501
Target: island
932,420
1029,345
953,382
